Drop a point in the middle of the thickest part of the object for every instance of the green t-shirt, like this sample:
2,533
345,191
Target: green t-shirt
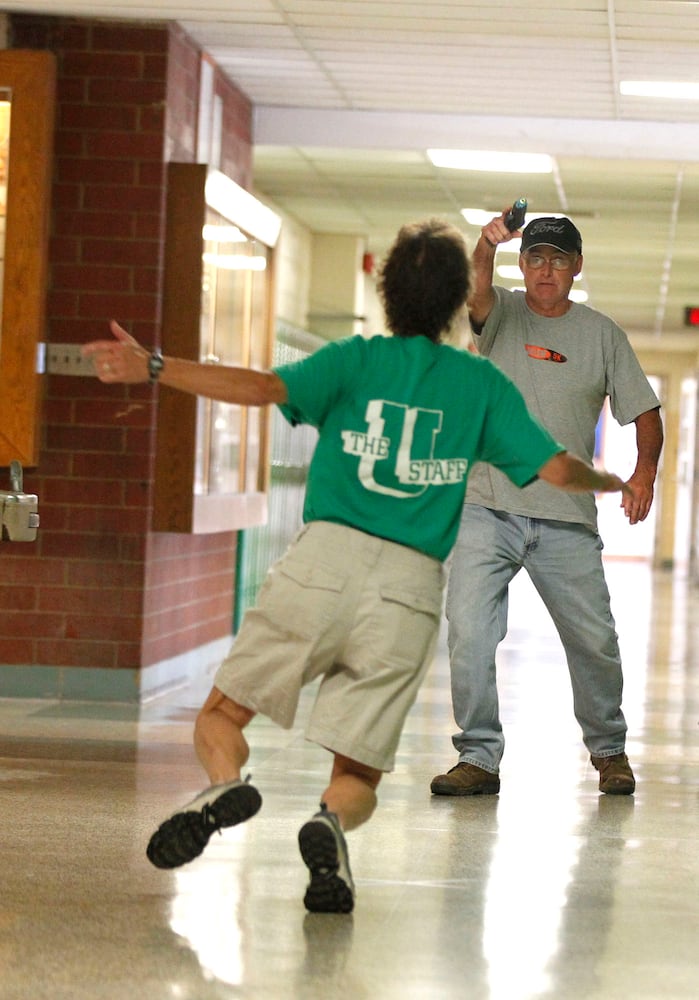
400,422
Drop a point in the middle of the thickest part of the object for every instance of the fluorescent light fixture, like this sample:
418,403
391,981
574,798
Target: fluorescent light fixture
235,203
674,91
477,216
511,272
223,234
496,162
513,246
481,216
235,262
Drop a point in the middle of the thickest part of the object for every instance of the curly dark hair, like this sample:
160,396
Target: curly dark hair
424,280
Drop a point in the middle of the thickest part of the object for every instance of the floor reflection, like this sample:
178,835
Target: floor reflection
547,892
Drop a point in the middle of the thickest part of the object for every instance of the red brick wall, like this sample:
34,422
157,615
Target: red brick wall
98,589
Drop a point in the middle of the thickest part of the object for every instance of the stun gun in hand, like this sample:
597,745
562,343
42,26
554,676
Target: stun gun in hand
515,217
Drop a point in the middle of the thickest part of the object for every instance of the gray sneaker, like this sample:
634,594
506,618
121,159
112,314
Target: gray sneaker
324,851
183,836
466,779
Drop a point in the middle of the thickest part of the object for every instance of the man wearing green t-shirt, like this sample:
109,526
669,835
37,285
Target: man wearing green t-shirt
356,600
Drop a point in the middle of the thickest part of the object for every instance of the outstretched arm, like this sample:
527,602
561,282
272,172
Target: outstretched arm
124,360
569,473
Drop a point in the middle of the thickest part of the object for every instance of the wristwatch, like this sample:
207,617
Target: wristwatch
155,366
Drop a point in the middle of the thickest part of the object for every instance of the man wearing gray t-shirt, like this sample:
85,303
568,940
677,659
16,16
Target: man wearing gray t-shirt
566,359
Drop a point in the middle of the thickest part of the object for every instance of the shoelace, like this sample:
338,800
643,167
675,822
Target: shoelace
209,816
208,813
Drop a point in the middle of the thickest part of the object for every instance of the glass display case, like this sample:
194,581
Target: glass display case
211,457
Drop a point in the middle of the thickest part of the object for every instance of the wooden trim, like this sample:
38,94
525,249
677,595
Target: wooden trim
173,501
176,507
31,78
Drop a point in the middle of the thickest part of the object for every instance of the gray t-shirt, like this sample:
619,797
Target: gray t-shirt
565,368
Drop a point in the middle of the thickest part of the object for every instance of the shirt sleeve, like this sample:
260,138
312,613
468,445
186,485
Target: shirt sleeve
484,339
630,392
315,383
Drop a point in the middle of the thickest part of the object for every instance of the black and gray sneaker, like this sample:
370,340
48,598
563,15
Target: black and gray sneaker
323,849
183,836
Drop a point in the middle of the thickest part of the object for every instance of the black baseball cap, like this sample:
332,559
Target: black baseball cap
552,232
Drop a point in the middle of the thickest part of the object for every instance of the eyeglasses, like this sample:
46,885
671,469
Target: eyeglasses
558,263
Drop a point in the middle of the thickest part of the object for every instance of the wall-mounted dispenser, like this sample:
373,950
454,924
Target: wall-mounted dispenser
19,511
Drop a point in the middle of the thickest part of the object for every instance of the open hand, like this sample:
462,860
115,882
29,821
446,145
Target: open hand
119,360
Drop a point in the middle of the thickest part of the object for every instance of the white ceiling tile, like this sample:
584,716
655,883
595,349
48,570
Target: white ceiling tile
359,89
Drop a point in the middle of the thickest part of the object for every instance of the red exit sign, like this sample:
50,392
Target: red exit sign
691,316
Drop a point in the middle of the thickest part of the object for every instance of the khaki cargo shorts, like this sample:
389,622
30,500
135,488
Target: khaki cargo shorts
357,611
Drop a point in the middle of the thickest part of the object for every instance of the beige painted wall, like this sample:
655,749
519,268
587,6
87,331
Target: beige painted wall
672,360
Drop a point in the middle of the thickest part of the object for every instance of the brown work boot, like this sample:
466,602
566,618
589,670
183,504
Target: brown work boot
615,774
466,779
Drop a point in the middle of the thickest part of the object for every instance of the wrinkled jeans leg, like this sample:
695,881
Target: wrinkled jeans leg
487,555
566,568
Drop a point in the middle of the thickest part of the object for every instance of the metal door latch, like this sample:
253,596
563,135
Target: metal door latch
19,511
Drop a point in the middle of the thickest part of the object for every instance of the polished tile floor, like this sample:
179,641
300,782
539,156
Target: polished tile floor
547,891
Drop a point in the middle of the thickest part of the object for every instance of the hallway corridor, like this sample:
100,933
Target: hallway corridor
548,891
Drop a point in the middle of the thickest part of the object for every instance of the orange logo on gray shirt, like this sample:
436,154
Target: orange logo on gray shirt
544,354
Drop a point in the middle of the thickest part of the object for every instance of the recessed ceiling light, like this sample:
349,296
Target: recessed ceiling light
512,246
481,217
497,162
510,272
477,216
668,89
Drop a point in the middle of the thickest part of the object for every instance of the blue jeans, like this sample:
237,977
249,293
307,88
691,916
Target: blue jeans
564,562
